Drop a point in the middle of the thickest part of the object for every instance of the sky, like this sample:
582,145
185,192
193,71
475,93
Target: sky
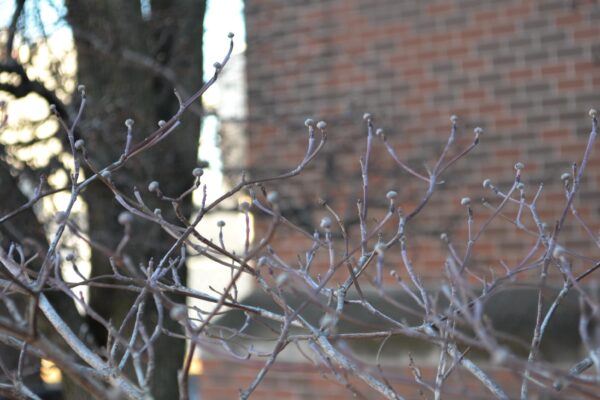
222,17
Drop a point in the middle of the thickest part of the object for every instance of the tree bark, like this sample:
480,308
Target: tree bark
117,89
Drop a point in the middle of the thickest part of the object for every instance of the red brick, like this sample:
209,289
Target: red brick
569,20
524,73
474,94
440,8
553,70
571,84
350,58
518,10
586,33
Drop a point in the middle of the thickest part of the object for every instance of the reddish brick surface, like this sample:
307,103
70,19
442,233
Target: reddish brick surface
292,381
523,70
526,71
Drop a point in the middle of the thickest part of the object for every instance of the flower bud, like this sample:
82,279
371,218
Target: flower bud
79,144
326,223
558,252
273,197
244,206
153,186
178,313
125,218
500,355
281,279
197,172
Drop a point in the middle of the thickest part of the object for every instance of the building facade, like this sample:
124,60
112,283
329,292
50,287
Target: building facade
526,71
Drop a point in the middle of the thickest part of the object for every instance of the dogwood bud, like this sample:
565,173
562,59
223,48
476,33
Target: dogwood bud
178,313
153,186
197,172
244,206
125,218
326,223
273,197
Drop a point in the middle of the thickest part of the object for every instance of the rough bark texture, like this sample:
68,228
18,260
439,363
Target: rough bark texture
117,89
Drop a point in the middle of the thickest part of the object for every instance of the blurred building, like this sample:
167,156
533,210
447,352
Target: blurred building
526,71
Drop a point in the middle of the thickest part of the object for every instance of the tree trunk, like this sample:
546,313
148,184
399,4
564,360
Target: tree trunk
117,89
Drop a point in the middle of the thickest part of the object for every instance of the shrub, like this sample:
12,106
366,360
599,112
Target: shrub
313,302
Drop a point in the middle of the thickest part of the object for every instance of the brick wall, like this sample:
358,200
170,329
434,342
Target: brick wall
526,71
293,381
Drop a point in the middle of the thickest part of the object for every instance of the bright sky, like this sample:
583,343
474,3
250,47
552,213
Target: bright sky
222,17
